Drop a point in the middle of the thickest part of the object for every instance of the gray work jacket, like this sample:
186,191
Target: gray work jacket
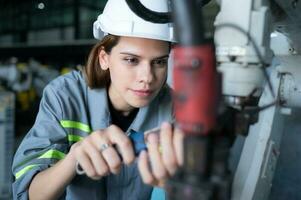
69,111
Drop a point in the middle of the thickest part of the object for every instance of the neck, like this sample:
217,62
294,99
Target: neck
124,109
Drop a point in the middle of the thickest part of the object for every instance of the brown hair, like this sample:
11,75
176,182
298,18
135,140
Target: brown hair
95,76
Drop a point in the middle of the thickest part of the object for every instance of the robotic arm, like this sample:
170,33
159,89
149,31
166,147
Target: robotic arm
242,39
241,61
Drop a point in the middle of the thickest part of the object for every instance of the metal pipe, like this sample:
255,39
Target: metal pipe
188,21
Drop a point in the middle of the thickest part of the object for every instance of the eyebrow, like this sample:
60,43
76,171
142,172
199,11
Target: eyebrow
131,54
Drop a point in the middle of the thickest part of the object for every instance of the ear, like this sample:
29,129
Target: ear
103,59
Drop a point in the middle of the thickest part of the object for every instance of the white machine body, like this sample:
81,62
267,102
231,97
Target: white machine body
242,32
242,72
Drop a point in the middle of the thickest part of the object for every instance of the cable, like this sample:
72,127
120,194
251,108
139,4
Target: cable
149,15
156,17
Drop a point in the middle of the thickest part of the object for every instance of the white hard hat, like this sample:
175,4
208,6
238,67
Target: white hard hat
118,19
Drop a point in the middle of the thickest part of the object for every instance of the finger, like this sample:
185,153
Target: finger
99,138
158,168
85,163
124,144
112,159
145,172
178,141
97,160
110,155
168,152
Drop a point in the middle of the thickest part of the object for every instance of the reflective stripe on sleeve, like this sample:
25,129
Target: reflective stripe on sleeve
76,125
53,154
74,138
50,154
24,170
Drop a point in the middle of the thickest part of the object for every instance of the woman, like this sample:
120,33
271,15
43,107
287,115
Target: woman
84,117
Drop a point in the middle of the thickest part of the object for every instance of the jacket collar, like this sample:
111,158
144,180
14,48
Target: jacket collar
100,116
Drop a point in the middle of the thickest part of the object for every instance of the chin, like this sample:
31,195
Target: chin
140,104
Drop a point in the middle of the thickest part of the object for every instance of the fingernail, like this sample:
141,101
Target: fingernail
165,125
142,154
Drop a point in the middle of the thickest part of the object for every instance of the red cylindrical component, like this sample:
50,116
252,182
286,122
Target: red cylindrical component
196,88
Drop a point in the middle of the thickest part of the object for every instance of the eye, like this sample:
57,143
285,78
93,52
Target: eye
131,60
160,62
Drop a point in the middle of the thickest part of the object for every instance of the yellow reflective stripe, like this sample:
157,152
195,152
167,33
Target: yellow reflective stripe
74,138
50,154
24,170
53,154
77,125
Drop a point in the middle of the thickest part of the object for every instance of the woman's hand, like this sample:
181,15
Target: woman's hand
165,155
97,156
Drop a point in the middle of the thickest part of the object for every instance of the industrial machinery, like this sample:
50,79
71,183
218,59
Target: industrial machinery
259,86
7,111
19,77
17,82
251,38
236,91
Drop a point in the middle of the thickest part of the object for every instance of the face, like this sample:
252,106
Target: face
138,69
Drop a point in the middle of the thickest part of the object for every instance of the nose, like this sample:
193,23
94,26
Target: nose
146,73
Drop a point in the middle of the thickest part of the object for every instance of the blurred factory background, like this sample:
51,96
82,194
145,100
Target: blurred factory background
51,31
40,40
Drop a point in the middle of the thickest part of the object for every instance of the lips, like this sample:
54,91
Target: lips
142,93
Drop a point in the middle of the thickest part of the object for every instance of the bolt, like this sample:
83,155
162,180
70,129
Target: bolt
195,63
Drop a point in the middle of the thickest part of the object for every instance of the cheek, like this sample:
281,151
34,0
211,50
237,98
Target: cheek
120,76
162,75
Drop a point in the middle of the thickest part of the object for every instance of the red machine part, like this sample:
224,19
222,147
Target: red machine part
196,89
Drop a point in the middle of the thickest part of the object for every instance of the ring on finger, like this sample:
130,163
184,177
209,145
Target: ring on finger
104,146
